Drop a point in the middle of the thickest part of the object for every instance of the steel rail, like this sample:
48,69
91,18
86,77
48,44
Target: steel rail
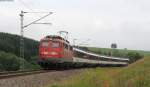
11,74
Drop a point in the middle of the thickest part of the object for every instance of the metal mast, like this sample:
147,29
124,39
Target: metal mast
24,26
21,37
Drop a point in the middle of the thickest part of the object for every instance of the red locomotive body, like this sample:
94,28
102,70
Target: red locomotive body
55,49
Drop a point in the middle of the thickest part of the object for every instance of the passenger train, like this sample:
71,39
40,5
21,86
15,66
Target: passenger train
54,50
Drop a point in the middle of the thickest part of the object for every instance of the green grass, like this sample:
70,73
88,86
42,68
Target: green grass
135,75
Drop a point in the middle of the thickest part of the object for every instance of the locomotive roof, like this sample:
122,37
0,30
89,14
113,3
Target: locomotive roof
56,37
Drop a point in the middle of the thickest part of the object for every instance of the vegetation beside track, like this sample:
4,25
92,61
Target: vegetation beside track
10,43
135,75
10,62
9,53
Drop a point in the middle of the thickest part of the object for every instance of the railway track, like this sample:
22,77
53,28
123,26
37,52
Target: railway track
11,74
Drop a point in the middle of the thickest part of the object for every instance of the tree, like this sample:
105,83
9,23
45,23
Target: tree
11,43
113,45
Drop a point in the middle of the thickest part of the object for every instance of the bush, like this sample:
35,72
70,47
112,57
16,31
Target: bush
25,65
133,56
9,62
33,62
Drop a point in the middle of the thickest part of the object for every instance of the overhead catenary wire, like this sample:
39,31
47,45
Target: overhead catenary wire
30,9
25,5
38,20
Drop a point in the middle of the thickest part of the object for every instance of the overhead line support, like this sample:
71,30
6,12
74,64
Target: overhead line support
22,29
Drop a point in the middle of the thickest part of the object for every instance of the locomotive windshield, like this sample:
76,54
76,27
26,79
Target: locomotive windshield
44,44
55,44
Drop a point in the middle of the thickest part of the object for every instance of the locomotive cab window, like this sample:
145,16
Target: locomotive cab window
55,44
44,44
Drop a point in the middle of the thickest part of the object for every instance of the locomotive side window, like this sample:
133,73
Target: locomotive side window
55,44
66,46
71,48
44,44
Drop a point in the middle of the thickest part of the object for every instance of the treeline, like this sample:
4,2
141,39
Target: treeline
11,43
10,52
132,55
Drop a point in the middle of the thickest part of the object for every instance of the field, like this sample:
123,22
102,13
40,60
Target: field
135,75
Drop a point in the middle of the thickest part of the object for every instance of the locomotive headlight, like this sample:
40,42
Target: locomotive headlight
45,53
53,53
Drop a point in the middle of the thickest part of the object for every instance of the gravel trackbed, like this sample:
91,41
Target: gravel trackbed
38,80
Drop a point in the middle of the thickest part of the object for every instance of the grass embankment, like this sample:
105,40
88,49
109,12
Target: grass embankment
135,75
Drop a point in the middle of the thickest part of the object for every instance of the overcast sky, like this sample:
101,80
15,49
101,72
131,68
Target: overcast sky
125,22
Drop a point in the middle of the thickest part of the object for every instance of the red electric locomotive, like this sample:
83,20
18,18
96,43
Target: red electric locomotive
54,49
